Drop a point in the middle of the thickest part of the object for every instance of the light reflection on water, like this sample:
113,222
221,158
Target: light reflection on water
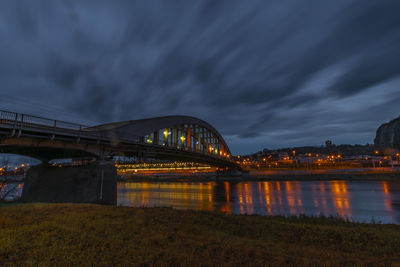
356,200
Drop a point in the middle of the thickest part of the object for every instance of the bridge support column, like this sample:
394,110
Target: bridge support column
92,183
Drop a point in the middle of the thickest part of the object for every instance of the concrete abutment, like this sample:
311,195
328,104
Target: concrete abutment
91,183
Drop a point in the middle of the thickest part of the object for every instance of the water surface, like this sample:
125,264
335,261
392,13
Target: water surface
361,201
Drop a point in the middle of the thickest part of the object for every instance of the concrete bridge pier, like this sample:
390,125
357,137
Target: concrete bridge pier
92,183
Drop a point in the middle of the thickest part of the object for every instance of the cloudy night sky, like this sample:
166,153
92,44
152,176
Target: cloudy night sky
266,74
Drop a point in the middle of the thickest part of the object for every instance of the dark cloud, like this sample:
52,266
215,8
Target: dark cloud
265,73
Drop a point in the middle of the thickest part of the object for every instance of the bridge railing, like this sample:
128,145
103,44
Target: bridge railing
20,119
50,123
7,116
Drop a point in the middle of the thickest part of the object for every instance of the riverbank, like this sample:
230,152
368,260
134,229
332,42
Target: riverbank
373,176
83,234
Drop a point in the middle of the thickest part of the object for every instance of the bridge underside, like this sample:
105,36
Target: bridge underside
45,154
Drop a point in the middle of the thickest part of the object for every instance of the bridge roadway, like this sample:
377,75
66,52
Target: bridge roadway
178,138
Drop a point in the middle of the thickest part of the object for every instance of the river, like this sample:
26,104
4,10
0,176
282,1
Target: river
362,201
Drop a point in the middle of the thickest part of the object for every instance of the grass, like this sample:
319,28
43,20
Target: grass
85,235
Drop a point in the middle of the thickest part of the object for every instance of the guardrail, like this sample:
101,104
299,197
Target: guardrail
21,118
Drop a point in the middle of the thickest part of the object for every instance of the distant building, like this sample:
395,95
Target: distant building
328,143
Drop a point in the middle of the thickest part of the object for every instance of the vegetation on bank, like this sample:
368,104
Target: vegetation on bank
84,234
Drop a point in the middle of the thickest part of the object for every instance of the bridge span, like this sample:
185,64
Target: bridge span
177,138
180,138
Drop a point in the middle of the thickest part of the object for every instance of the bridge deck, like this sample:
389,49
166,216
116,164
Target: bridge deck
15,126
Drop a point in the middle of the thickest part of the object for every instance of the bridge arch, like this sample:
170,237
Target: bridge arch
180,132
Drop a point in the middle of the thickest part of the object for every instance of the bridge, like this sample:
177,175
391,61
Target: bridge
181,138
177,138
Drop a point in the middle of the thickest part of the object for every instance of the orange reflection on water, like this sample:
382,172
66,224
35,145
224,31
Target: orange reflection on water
293,197
288,187
226,207
249,198
145,194
201,190
240,194
227,191
340,197
299,196
210,191
278,186
388,201
260,193
267,195
385,187
245,194
185,195
299,202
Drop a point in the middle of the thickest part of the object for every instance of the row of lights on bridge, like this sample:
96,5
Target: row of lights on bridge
183,139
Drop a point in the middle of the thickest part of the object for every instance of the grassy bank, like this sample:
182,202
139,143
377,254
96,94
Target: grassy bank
83,234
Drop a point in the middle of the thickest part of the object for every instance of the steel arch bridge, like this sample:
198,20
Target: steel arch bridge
182,138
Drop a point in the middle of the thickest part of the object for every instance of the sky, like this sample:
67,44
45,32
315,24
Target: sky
265,74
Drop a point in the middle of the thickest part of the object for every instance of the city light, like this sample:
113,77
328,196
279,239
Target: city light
166,133
147,167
